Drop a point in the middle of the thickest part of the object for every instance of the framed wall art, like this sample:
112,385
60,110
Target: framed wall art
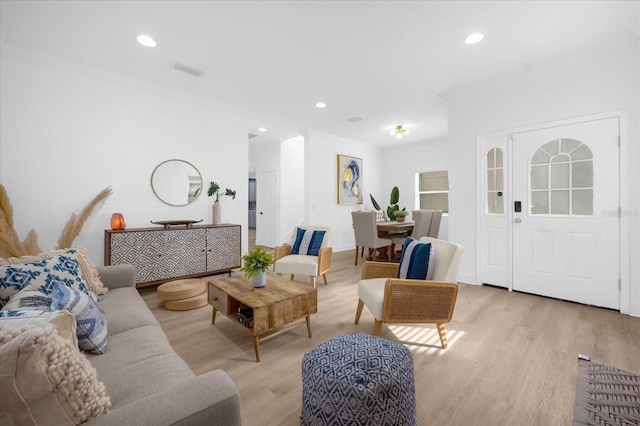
349,180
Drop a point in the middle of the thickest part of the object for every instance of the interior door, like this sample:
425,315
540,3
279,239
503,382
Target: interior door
565,231
267,209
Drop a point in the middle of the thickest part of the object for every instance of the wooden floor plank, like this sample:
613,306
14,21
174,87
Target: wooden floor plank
512,357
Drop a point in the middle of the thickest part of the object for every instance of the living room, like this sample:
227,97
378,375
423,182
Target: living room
70,127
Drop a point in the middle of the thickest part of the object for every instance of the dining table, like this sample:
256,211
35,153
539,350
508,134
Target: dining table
392,229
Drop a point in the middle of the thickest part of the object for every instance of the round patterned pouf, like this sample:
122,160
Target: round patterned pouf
358,379
182,295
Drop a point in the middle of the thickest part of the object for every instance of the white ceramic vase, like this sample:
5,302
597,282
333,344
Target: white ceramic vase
260,280
217,214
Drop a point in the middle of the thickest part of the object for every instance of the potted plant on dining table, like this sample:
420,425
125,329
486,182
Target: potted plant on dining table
400,215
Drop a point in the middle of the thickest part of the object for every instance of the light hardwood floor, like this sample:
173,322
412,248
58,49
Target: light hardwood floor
512,357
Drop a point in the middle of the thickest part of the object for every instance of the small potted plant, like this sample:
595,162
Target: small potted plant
214,189
400,215
255,265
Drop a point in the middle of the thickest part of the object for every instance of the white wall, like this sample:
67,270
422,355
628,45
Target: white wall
606,78
321,205
400,165
67,132
292,178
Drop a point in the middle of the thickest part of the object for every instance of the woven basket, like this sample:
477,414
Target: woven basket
186,304
181,289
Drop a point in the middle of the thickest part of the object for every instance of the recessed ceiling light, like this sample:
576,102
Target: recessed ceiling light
262,129
321,105
145,40
474,38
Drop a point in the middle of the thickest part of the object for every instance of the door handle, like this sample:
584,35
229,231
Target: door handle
517,220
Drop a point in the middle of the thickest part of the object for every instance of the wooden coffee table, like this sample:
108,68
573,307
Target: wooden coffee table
277,305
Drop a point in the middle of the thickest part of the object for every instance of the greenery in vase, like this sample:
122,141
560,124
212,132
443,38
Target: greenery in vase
401,213
214,189
256,261
393,200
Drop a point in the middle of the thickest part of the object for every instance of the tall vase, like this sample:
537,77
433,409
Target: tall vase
217,214
260,280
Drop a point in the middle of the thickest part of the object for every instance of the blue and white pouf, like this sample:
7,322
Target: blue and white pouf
358,379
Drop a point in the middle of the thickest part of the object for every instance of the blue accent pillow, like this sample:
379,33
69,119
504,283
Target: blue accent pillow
91,321
416,262
42,275
12,313
308,242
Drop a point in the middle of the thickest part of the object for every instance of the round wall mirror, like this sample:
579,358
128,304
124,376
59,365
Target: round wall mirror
176,182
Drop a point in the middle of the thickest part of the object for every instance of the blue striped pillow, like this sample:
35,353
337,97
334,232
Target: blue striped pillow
308,242
416,262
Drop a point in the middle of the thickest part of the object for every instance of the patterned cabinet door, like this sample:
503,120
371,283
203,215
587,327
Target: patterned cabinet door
140,249
183,252
223,248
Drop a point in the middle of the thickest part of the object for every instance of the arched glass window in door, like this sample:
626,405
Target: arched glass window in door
495,181
561,179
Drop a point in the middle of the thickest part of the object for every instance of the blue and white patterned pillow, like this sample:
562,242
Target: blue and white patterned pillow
29,299
12,313
42,275
91,321
416,262
308,242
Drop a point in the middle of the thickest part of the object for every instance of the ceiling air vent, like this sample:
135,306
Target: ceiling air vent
354,120
188,70
251,136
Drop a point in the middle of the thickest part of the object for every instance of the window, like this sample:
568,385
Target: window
495,181
433,190
561,178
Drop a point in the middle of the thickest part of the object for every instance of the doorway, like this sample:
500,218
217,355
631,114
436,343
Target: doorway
551,224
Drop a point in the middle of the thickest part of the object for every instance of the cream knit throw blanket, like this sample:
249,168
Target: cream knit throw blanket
73,380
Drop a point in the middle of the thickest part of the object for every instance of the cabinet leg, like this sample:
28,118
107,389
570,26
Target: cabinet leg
213,316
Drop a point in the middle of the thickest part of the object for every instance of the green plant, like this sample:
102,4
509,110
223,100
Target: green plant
393,200
256,261
214,189
401,213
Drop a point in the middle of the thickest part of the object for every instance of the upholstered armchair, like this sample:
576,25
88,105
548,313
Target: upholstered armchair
413,300
309,254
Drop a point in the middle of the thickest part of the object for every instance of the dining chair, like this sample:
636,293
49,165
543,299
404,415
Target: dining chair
434,227
309,254
366,232
421,224
401,293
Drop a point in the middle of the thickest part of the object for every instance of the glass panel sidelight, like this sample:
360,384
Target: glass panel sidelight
561,178
495,181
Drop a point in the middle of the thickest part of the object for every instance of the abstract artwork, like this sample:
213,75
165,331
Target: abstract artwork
349,180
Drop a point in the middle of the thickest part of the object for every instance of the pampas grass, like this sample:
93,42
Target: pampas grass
10,244
75,223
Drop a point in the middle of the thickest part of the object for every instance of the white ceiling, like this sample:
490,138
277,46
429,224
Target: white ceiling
384,61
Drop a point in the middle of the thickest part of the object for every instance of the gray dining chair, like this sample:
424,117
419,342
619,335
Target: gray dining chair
434,228
422,223
366,233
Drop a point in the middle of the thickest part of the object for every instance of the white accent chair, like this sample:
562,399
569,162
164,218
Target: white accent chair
366,232
394,300
303,264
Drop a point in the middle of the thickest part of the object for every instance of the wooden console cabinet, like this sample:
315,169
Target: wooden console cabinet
161,254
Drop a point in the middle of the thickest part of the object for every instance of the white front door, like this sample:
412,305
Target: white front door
566,235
